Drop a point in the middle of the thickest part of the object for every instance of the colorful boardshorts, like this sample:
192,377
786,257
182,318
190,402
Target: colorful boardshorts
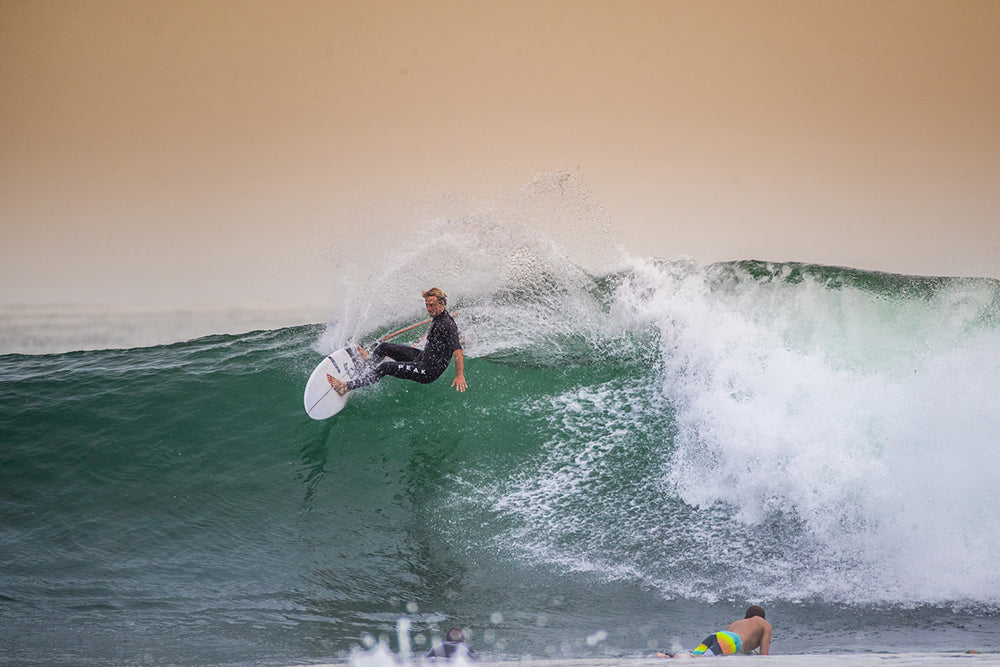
719,643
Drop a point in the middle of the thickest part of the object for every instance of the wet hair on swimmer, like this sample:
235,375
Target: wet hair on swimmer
437,293
754,610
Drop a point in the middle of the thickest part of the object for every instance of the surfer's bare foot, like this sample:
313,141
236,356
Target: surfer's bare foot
363,352
338,385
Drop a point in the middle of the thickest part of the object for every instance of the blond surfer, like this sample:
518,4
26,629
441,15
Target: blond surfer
411,363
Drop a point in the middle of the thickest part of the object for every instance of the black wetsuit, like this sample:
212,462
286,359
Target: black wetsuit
409,363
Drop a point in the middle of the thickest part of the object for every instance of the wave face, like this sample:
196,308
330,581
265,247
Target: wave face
641,453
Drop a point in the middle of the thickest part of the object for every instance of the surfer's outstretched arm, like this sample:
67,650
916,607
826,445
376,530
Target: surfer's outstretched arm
459,381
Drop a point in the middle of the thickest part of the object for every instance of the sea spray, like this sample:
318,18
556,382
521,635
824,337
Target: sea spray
521,267
379,653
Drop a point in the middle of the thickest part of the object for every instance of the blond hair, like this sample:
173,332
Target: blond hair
437,294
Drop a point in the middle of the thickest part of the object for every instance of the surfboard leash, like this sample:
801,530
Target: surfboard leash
412,326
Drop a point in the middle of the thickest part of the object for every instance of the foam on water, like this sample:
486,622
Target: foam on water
797,436
870,418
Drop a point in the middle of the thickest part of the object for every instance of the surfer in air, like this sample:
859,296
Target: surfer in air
411,363
742,636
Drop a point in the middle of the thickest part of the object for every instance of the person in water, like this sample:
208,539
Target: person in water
411,363
453,645
742,636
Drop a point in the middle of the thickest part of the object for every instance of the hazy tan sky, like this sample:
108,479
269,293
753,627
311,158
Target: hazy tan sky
162,150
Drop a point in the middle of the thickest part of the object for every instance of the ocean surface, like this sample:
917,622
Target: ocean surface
640,455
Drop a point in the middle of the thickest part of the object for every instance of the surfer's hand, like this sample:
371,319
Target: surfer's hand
459,383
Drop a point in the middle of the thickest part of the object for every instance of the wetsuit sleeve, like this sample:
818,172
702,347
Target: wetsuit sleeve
453,340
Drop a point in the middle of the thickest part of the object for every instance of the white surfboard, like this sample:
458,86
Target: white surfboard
321,400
